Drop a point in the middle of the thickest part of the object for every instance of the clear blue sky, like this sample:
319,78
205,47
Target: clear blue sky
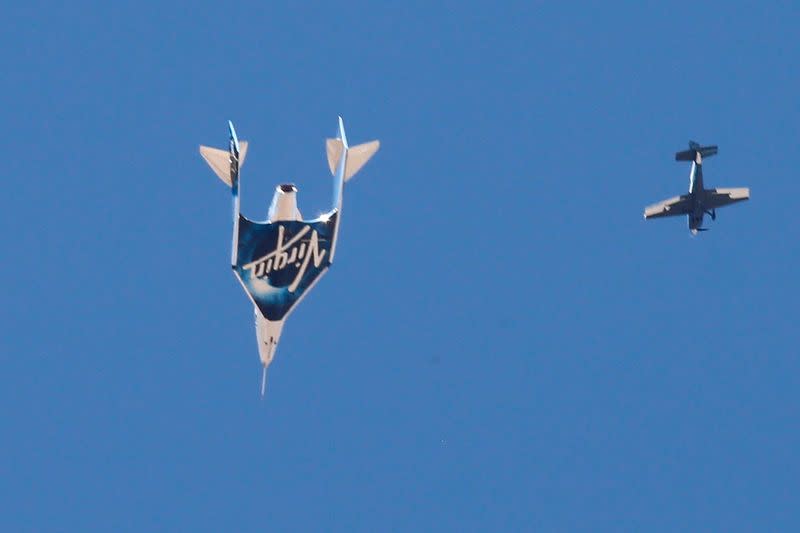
503,343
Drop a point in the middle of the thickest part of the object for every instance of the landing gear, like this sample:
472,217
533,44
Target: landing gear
712,214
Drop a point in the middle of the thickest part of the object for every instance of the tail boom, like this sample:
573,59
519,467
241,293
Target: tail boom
344,162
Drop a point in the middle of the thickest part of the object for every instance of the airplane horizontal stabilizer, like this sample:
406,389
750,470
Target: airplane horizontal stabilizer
694,150
334,148
357,156
220,162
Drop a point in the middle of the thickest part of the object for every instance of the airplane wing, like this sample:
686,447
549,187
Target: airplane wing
721,197
678,205
278,262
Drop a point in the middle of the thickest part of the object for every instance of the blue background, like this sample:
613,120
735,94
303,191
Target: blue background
503,343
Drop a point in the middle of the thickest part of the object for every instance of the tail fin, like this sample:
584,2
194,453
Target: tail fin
344,162
357,156
696,152
226,165
220,160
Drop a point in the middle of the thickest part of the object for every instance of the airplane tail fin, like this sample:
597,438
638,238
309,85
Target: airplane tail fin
226,166
357,156
696,153
221,161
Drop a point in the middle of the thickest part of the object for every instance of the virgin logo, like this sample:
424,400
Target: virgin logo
295,253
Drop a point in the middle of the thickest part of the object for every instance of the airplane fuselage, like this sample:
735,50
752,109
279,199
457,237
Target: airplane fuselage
696,192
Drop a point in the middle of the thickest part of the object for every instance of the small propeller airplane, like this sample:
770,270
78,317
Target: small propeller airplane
699,201
279,260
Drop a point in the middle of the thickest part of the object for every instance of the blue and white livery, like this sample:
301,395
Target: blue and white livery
699,201
280,259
